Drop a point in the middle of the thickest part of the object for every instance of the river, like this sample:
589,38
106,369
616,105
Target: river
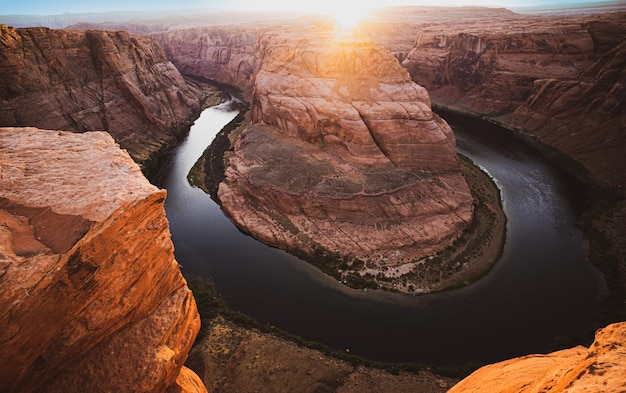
541,290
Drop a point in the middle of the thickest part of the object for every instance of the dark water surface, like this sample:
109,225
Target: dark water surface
541,288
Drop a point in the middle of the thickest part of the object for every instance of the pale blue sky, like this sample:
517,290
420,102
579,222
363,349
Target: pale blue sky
48,7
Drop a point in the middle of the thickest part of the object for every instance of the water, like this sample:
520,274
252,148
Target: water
541,288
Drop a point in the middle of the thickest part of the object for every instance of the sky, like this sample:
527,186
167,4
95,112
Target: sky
47,7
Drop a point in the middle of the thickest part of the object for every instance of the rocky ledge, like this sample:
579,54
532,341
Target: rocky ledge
91,297
599,368
344,158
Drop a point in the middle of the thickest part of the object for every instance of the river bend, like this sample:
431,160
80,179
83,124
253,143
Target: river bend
541,289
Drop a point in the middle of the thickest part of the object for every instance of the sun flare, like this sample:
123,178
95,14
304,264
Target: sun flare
348,17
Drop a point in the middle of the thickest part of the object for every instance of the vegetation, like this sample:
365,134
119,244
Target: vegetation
210,306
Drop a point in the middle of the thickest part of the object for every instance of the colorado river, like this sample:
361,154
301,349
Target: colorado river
542,288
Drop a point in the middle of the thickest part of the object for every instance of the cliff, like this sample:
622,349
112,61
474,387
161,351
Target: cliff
555,79
225,54
599,368
91,297
94,80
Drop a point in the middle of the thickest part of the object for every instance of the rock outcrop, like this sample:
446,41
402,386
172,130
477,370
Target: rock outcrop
345,157
599,368
91,297
94,80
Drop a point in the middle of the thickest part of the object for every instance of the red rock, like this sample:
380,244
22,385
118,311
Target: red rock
92,298
345,155
94,80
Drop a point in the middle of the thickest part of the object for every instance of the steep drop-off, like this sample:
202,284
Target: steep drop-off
91,297
94,80
225,54
558,80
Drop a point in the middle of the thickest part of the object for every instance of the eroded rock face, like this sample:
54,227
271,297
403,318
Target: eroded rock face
599,368
227,55
344,156
556,79
488,66
94,80
91,297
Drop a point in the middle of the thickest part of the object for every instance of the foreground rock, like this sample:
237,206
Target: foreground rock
345,158
94,80
91,298
599,368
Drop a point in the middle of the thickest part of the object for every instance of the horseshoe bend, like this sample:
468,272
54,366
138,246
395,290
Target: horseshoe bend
339,159
344,161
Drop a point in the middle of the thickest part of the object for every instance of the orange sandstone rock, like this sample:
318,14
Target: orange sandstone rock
599,368
91,297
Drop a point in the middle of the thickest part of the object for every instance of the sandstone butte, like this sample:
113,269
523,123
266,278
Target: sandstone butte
599,368
344,156
91,297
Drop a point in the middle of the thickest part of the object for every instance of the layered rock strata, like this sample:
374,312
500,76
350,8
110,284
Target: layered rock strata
345,157
558,82
94,80
225,54
599,368
91,297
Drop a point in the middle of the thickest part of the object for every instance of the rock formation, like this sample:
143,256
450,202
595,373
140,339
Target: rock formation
344,156
531,74
599,368
93,80
91,297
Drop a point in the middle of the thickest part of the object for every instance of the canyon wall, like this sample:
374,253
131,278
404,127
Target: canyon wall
94,80
91,297
555,79
224,54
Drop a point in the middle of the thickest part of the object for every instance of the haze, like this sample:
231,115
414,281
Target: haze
46,7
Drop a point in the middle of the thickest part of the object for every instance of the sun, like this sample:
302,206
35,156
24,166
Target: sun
347,19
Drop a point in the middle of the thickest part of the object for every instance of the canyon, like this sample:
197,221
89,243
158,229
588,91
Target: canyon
308,152
96,81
